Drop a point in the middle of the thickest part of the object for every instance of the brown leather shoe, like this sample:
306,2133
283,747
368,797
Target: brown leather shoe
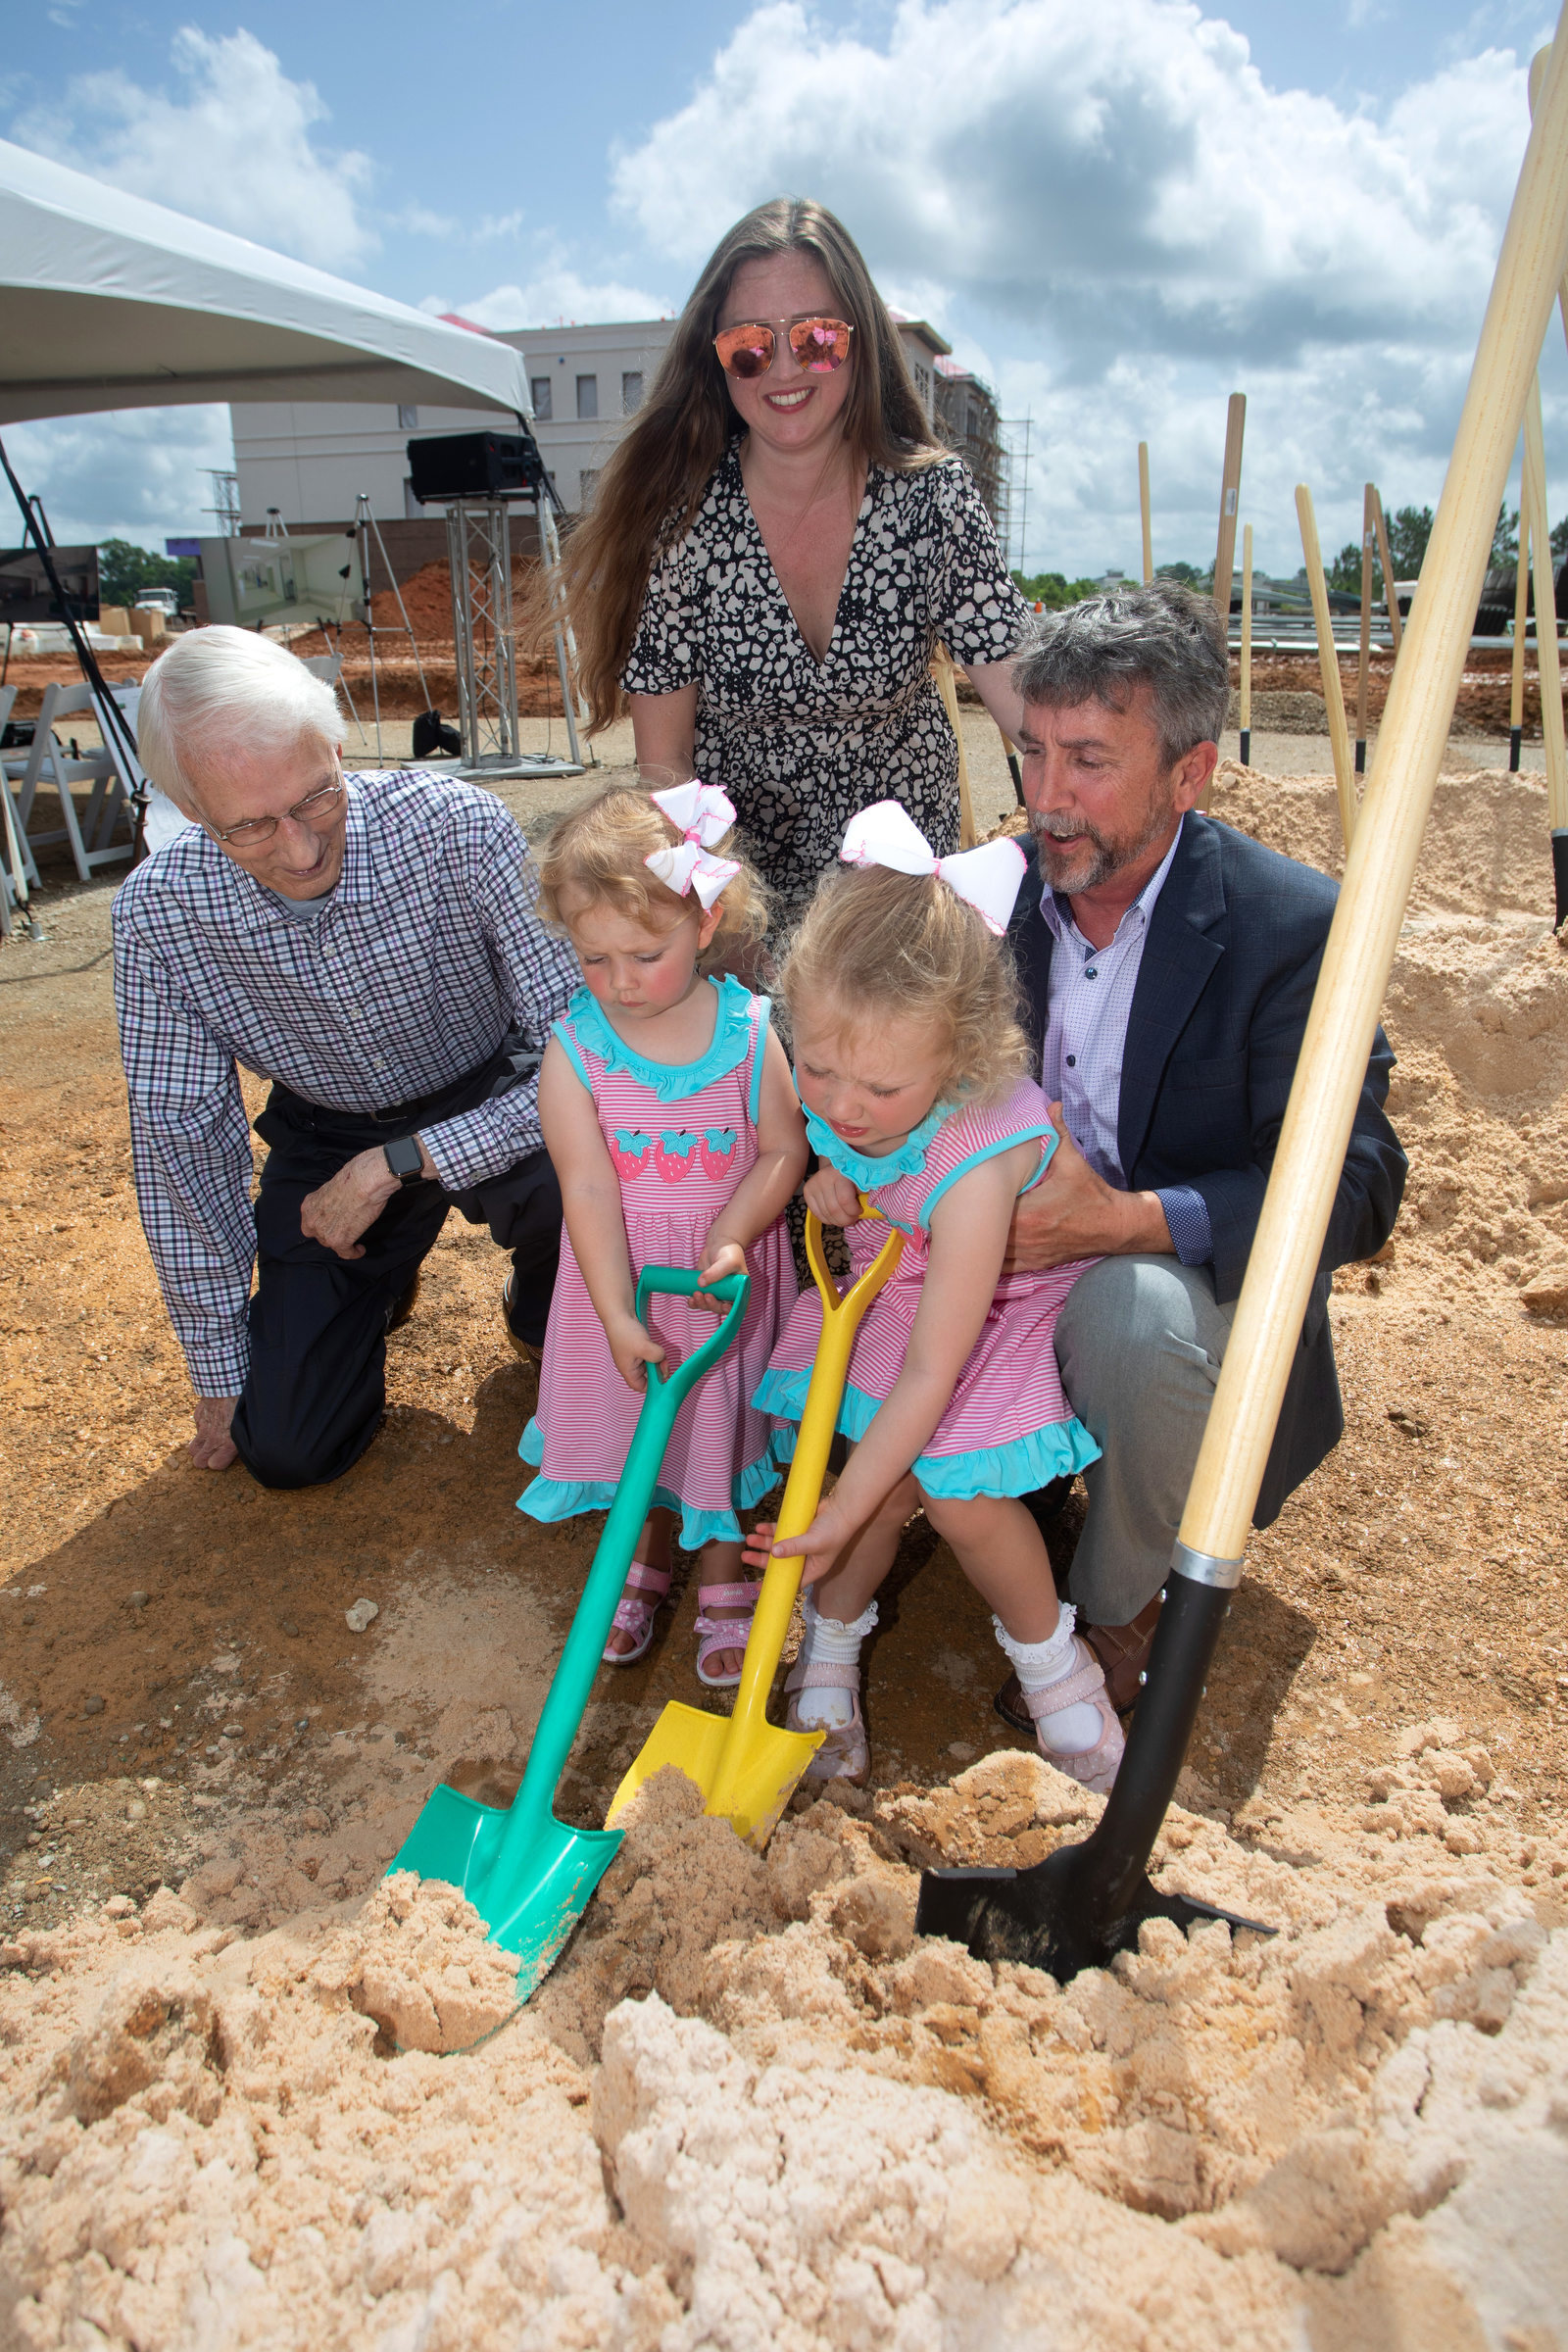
1122,1650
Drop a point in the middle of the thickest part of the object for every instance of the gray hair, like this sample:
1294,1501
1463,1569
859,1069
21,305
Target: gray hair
217,688
1162,636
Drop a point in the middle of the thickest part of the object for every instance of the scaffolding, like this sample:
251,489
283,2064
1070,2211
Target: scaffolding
479,556
969,421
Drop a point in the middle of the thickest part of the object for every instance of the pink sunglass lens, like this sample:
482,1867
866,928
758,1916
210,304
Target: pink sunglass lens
820,345
747,352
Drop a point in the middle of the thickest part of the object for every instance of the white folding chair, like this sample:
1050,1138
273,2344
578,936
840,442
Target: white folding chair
91,835
19,872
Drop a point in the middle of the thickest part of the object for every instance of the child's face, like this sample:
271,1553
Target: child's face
870,1085
639,971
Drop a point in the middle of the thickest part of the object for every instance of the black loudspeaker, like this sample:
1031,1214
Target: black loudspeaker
475,465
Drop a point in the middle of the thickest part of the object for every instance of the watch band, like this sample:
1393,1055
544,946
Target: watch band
403,1158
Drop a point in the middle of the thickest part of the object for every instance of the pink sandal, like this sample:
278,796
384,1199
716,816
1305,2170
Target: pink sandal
715,1634
1094,1768
846,1751
634,1615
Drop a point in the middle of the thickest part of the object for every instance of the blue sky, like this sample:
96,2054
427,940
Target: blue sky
1119,215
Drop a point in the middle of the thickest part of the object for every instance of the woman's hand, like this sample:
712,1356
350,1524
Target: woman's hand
718,1259
633,1348
831,1197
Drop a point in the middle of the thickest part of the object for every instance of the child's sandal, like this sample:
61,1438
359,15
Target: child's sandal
1094,1768
634,1614
846,1751
716,1634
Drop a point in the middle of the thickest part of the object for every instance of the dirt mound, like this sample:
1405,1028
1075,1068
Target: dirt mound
806,2127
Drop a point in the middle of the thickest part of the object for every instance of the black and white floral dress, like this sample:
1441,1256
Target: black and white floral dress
800,746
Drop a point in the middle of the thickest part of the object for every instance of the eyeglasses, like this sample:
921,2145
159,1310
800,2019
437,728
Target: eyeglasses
257,830
819,344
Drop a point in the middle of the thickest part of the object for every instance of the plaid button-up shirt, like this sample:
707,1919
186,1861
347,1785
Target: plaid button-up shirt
427,954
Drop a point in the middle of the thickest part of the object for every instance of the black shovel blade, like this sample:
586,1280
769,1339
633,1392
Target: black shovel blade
1048,1916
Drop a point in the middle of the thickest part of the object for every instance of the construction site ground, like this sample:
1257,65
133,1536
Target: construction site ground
186,1708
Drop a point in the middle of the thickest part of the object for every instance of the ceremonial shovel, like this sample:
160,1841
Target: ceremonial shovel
528,1875
1085,1902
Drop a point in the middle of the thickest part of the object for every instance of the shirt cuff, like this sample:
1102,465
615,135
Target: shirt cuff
1187,1216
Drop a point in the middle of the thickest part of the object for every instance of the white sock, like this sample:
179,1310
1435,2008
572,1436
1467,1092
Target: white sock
1070,1730
829,1642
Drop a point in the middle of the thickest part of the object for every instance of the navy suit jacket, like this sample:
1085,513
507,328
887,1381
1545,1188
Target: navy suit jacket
1217,1024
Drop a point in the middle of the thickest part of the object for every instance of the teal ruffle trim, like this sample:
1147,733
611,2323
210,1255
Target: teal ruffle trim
552,1498
672,1082
1019,1467
859,1166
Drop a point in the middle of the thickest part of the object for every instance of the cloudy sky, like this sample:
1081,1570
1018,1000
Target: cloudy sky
1118,212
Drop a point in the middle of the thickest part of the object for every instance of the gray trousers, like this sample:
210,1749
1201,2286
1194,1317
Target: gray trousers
1140,1343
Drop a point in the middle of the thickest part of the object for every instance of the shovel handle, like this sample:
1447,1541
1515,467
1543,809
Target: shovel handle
683,1282
781,1580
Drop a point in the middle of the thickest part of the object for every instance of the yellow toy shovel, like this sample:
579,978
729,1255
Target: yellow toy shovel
745,1766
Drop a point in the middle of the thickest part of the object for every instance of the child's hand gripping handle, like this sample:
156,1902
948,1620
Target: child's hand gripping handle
684,1282
781,1582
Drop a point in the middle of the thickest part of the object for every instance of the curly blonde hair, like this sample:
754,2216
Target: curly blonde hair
879,945
597,854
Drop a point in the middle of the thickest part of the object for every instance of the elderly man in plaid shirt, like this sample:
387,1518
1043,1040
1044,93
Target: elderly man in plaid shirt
369,945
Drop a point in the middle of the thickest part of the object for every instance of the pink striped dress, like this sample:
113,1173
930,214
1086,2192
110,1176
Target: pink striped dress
681,1137
1008,1427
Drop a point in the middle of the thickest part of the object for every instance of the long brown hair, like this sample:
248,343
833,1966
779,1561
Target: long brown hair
650,490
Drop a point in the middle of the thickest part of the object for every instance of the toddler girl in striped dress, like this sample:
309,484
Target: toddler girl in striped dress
910,1062
667,1109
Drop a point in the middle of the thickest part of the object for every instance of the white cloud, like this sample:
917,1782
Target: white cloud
553,291
1115,202
233,146
133,473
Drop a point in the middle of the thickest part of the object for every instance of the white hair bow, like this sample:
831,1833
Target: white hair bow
988,879
704,813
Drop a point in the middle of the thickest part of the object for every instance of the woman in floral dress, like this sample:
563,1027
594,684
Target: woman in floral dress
775,549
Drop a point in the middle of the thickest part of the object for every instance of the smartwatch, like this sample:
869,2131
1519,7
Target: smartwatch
403,1158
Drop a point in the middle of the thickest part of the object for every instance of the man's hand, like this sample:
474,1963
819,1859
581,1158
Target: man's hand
212,1448
335,1214
831,1197
1073,1213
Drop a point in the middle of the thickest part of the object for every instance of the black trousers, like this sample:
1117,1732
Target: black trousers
317,1386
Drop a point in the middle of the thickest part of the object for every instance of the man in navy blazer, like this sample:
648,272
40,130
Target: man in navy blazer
1168,964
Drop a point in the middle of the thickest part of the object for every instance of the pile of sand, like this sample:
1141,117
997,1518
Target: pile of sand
806,2127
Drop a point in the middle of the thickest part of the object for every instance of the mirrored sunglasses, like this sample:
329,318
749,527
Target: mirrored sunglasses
819,346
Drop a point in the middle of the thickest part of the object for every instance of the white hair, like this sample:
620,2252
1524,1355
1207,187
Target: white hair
217,688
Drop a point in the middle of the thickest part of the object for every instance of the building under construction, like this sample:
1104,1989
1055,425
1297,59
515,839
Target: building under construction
970,421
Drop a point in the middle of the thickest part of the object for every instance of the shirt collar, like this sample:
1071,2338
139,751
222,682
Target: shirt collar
247,906
1057,912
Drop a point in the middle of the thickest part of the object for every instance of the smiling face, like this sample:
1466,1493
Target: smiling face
1102,797
787,408
631,969
304,857
871,1084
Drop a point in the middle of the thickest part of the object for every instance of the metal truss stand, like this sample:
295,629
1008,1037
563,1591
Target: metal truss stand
480,556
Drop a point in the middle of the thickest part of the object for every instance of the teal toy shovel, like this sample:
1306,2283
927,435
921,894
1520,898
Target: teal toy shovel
528,1875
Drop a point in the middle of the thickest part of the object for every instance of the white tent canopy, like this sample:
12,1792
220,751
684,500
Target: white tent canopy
110,302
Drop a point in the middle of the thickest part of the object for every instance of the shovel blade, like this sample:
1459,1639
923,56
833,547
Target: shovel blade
1048,1916
529,1898
747,1777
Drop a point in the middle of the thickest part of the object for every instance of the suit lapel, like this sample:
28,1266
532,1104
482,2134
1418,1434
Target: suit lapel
1179,956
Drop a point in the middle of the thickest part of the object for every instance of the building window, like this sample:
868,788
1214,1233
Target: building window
587,482
539,392
631,391
408,418
587,395
922,385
